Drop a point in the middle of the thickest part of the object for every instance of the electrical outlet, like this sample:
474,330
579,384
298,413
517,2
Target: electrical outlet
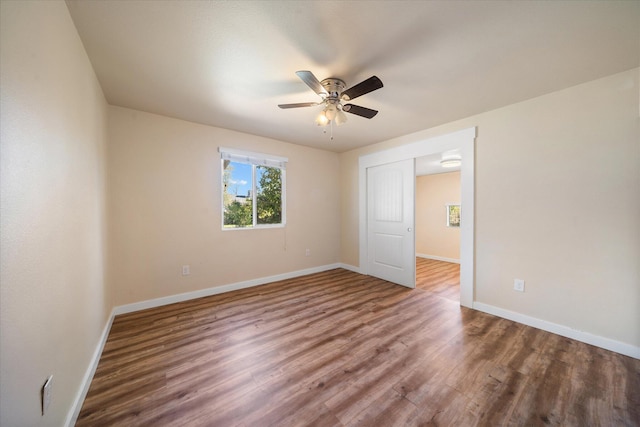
518,285
46,394
186,270
307,252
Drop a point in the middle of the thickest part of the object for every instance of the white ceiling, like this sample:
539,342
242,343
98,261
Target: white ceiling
228,64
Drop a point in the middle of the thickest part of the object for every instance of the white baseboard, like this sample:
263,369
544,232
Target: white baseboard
171,299
350,268
439,258
565,331
72,416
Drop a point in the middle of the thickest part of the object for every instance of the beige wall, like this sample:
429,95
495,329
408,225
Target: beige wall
433,237
53,302
165,212
557,204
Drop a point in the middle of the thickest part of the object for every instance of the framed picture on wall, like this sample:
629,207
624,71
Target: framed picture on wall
453,215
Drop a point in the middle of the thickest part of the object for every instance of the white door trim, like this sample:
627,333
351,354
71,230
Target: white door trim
462,140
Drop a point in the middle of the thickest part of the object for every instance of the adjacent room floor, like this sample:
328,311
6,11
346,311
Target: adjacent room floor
341,349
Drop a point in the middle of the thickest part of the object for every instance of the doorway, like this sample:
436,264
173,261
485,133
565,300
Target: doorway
437,225
462,140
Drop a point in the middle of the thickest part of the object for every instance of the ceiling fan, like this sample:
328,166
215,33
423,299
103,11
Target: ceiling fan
332,91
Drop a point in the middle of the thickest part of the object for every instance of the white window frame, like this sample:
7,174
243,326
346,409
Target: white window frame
254,159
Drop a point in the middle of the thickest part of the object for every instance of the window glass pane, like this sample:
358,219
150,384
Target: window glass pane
237,197
269,194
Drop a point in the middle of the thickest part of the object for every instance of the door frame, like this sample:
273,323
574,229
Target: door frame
462,140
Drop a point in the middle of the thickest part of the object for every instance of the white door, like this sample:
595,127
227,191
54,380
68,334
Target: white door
390,222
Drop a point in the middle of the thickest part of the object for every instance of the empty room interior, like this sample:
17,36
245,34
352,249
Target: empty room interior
327,213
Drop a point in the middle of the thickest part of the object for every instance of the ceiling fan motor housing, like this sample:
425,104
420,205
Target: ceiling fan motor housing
334,88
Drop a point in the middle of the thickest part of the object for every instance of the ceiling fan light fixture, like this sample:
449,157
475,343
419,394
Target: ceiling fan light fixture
331,111
341,118
322,119
450,163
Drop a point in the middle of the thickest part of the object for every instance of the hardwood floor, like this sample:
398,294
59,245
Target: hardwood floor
439,278
341,349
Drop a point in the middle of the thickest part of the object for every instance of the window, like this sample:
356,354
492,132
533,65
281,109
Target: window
453,215
253,190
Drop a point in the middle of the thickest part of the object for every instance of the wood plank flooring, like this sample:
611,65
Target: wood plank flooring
342,349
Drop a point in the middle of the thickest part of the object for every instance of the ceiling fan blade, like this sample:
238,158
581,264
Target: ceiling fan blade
359,111
362,88
299,104
312,82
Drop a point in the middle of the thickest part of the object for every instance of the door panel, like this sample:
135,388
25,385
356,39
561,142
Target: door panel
390,222
388,250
